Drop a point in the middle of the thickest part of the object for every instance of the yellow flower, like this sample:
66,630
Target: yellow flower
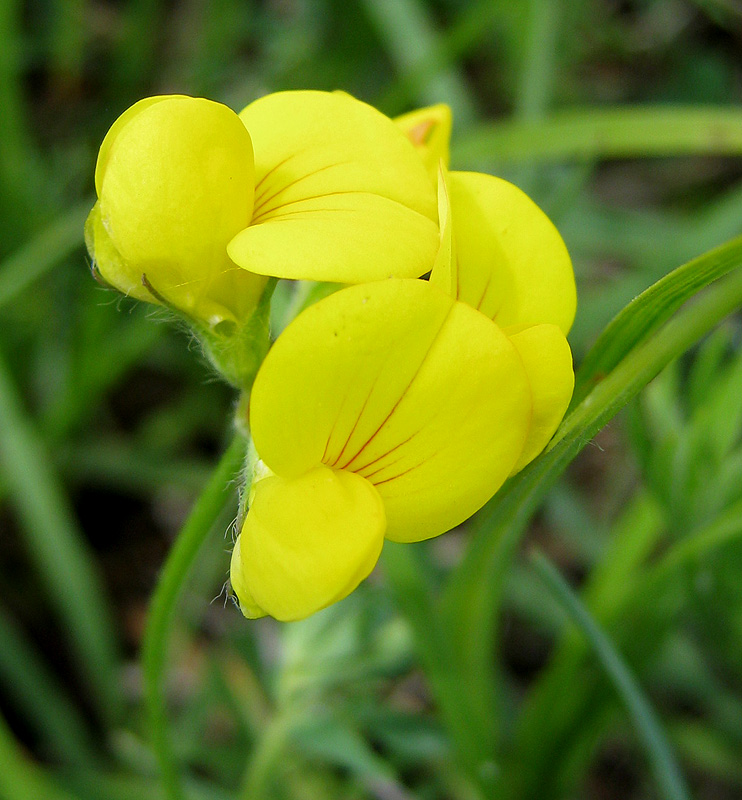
187,217
397,409
387,409
510,261
502,255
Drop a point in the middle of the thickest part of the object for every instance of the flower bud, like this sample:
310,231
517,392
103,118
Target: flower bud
175,183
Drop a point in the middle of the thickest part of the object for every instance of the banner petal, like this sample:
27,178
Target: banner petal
429,130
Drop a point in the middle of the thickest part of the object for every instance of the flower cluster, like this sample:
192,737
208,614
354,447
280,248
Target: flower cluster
395,407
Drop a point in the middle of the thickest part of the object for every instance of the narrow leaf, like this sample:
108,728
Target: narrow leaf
407,30
42,253
650,310
648,727
37,693
21,779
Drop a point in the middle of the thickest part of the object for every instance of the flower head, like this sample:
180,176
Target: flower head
392,409
397,409
394,394
198,207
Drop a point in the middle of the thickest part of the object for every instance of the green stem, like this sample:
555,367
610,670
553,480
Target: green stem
621,132
163,607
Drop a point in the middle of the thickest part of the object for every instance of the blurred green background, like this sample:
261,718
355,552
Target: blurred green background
622,119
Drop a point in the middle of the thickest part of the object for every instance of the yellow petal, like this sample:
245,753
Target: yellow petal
248,606
444,274
341,194
113,132
175,183
395,381
307,542
548,363
361,343
512,263
452,440
429,130
108,262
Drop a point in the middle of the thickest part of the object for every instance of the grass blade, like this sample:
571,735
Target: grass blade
58,548
21,779
726,528
616,132
69,39
164,603
538,72
37,693
415,598
122,786
649,311
22,174
645,721
408,32
42,253
477,22
612,597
